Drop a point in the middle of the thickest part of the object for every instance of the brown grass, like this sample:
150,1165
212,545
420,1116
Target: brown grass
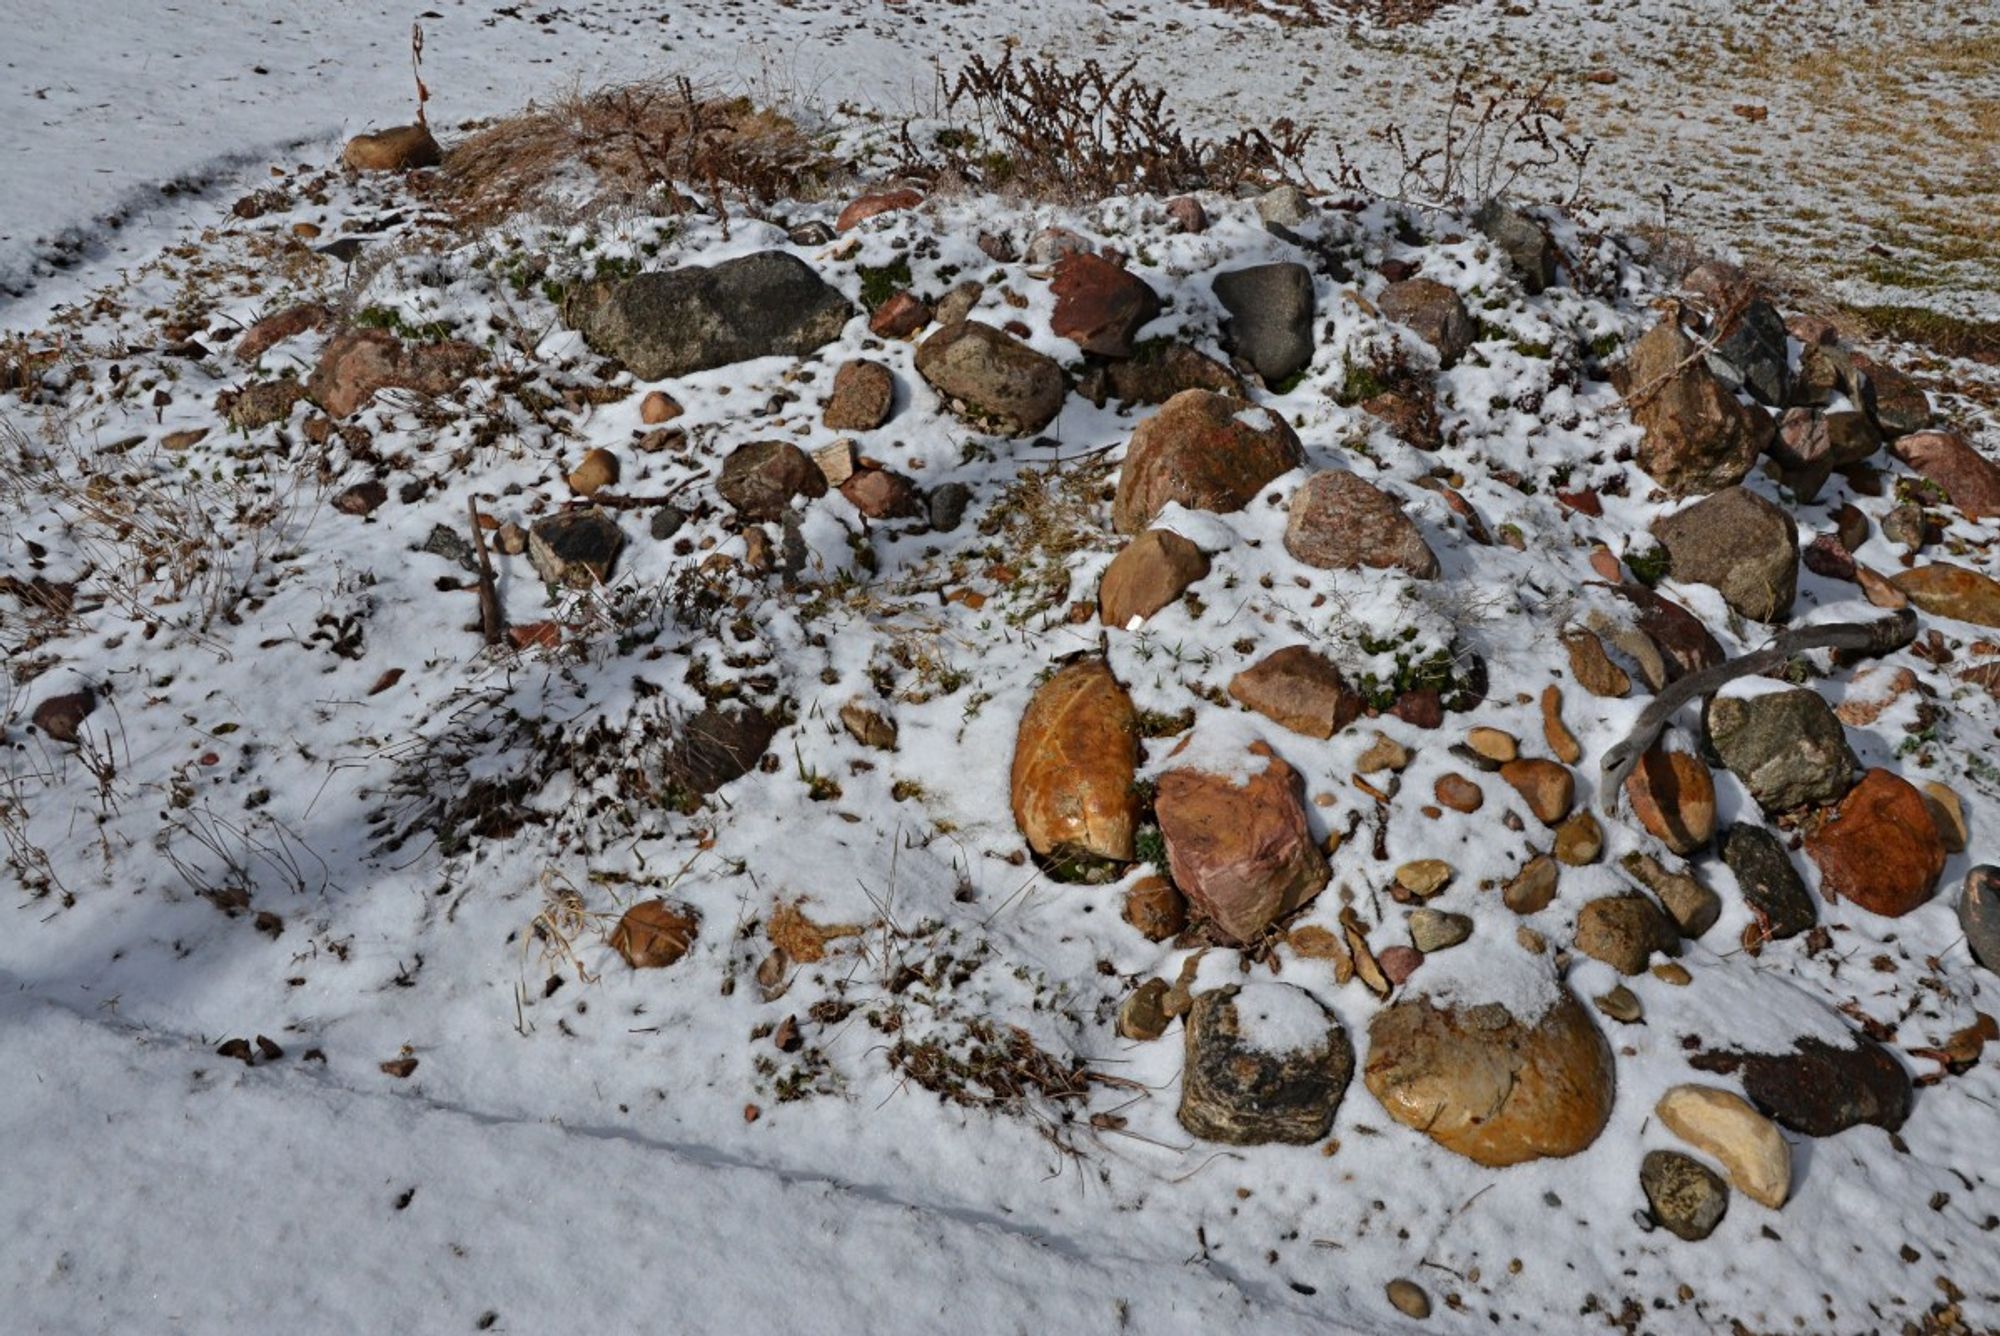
639,140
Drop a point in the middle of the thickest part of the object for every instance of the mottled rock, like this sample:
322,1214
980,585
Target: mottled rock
1692,906
1205,451
1787,747
1099,306
1156,908
1698,436
655,933
884,494
672,323
60,718
1673,796
1624,931
1771,886
1341,521
1433,312
714,747
1547,787
1533,888
575,549
1270,322
1979,915
999,379
1879,848
863,392
1739,544
1300,690
1150,572
1531,253
1685,1195
1266,1062
1241,852
761,479
1970,479
401,148
1497,1089
1820,1089
356,365
1437,929
1075,765
1722,1124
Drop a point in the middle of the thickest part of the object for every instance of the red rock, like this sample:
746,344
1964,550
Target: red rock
1205,451
361,499
1187,213
1434,312
357,364
1970,479
1152,571
876,204
1341,521
881,494
1299,689
1399,963
1100,307
1673,795
1076,762
272,330
899,317
655,933
1880,847
1458,793
1241,853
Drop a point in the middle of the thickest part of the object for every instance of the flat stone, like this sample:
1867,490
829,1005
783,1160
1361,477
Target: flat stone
1722,1124
1300,690
1946,590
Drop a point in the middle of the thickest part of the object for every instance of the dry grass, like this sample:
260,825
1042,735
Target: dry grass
639,141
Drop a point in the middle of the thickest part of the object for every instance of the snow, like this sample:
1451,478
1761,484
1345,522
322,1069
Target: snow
1279,1019
578,1135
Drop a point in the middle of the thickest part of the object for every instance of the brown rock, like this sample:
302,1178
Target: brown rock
60,718
1143,1016
1341,521
868,725
1150,572
1410,415
1156,908
364,498
272,330
1947,814
760,479
874,205
882,494
1460,794
1156,373
1579,840
655,933
1491,1087
1820,1089
1000,380
1945,590
1242,853
1076,761
598,469
1561,741
1698,436
658,407
1299,689
1680,638
863,392
1205,451
1739,544
1880,847
1187,214
1673,795
1692,906
357,364
1970,479
394,150
1433,312
1592,667
899,317
576,548
1533,888
1547,787
1623,931
1099,306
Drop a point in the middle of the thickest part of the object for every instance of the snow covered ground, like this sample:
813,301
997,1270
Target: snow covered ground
583,1146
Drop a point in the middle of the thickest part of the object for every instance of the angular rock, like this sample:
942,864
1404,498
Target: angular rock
1270,322
1624,931
401,148
655,933
357,364
1547,787
1143,1014
1682,641
1150,572
1434,312
1747,331
1156,373
1685,1195
263,403
874,205
1530,252
1673,796
1205,451
575,549
1698,436
1721,1123
1266,1062
1692,906
1299,690
1771,886
868,725
1533,888
1739,544
714,747
1099,306
899,317
1945,590
863,392
1242,853
1341,521
1075,766
883,494
1879,848
1821,1089
1787,747
1979,915
760,479
1437,929
999,379
1896,403
673,323
1491,1087
1592,667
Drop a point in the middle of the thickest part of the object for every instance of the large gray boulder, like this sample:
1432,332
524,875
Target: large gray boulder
699,317
1270,317
1787,747
1740,545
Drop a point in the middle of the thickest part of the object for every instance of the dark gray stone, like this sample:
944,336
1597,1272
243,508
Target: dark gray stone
1787,747
672,323
714,747
1979,915
947,505
1685,1195
1529,250
1270,317
1235,1092
1751,355
1771,886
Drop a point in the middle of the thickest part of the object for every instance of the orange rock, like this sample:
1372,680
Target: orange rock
1076,760
1673,795
1152,571
872,205
658,407
1880,848
1241,852
1488,1086
1156,908
1561,741
1546,786
1300,690
655,933
1204,450
394,150
1460,794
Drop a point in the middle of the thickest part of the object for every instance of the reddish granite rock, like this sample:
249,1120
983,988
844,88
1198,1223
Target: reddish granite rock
1341,521
1698,436
1099,306
1970,479
1880,848
862,394
357,364
1207,452
1242,853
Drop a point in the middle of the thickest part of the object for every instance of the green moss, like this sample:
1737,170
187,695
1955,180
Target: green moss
881,282
1650,566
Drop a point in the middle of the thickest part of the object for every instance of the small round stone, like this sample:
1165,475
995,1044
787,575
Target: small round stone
1409,1298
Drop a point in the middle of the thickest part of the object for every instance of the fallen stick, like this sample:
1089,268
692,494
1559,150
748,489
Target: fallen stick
1877,637
491,624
